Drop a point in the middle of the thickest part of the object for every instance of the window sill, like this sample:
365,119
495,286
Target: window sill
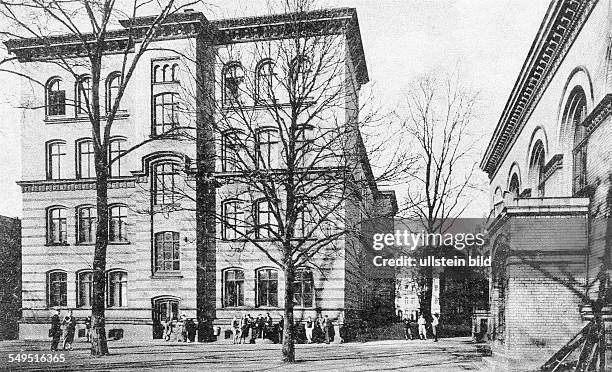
62,119
119,243
57,244
166,82
84,244
167,275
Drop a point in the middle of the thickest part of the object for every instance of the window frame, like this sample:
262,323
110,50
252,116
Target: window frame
91,174
62,222
114,168
270,160
81,92
259,290
236,79
109,87
269,231
122,218
174,104
268,77
175,250
52,108
160,189
63,295
123,288
302,283
93,223
79,283
229,234
52,158
239,285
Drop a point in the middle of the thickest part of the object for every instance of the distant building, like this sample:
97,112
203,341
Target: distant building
549,164
10,277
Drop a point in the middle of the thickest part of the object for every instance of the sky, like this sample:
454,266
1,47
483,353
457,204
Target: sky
485,41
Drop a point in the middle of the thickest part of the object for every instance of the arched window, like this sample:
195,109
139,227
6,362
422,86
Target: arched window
266,223
57,293
166,178
233,284
264,80
86,224
116,147
514,186
267,287
57,230
166,113
117,224
84,288
303,288
113,82
233,219
56,156
232,154
175,72
537,160
305,152
117,288
574,114
85,159
166,73
267,148
56,97
233,79
83,94
167,251
301,81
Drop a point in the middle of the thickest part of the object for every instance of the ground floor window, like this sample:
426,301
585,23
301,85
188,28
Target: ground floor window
267,287
233,295
117,289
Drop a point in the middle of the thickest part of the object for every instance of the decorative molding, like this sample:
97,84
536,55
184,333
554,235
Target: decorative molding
600,113
562,24
556,162
72,185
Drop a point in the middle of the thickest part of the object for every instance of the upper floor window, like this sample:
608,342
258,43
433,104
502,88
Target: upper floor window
84,288
117,224
57,230
166,113
305,223
113,82
86,224
165,71
85,159
575,113
304,147
116,149
117,288
267,287
303,288
265,220
57,293
166,176
267,148
167,251
83,94
232,158
56,155
300,72
264,79
56,97
536,166
233,285
233,80
233,219
514,186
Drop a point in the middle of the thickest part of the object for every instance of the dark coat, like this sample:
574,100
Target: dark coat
56,329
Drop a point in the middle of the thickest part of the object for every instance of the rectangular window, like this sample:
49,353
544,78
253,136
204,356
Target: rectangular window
234,288
56,153
166,177
267,149
117,228
266,222
233,213
167,251
166,113
303,288
86,161
116,149
267,287
57,227
57,290
117,289
85,289
86,225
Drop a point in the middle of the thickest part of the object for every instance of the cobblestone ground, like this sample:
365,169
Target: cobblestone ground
453,354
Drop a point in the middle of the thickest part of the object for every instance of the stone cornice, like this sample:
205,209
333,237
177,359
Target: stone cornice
72,185
601,112
192,24
560,27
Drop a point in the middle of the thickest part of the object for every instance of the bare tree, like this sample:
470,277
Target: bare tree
87,24
437,120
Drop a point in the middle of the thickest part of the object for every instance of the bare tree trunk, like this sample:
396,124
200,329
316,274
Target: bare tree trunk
99,346
288,331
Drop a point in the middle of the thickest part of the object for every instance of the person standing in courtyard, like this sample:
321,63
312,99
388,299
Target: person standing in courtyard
326,329
69,326
407,329
55,332
236,330
422,327
280,327
309,328
88,329
434,326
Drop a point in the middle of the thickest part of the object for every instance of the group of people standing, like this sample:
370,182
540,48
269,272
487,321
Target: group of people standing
319,328
64,330
182,329
422,327
249,328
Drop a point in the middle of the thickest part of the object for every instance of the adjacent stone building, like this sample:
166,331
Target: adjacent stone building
550,163
153,258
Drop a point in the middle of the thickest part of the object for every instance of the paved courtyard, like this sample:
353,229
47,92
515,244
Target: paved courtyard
454,354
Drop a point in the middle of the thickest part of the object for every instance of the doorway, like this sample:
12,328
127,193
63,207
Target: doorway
164,308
